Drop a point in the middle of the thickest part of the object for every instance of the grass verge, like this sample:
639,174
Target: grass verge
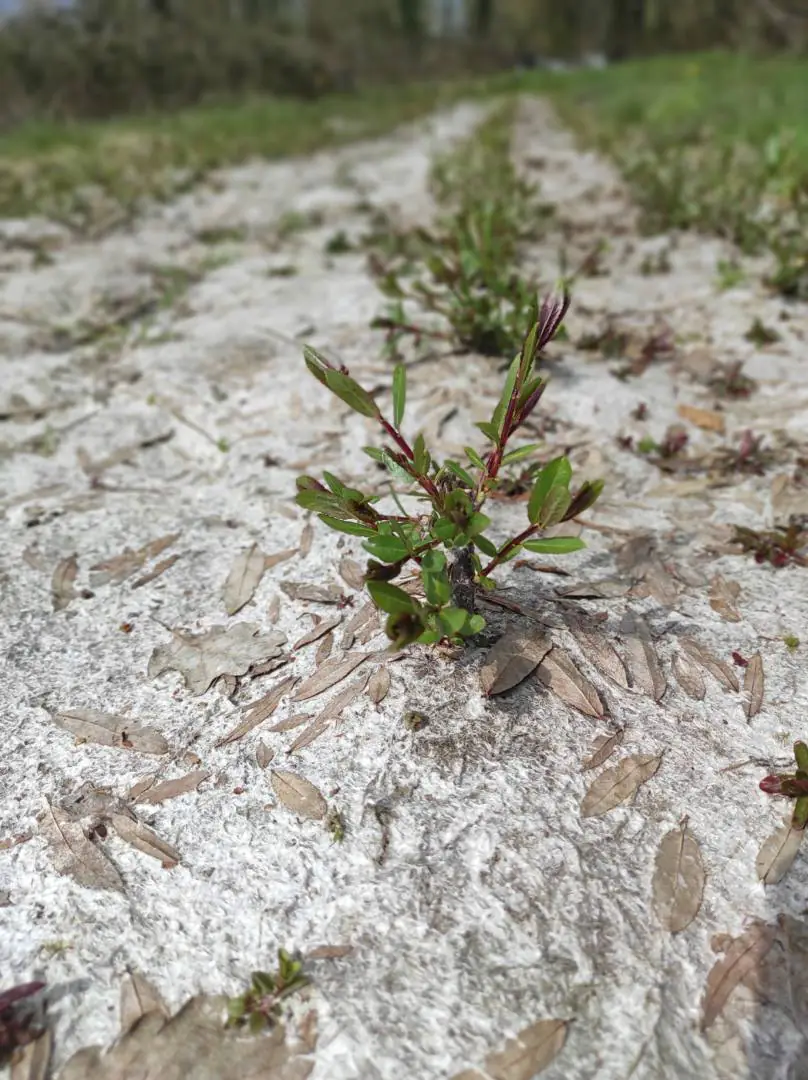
710,141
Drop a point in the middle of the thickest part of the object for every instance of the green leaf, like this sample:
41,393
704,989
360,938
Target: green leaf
321,502
475,624
353,528
485,546
316,364
349,391
453,620
390,598
477,523
507,393
429,637
489,430
520,453
433,562
437,588
388,549
557,473
399,394
421,456
444,530
554,545
474,457
554,507
459,472
334,483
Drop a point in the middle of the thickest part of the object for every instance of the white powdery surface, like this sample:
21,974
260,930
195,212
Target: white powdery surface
492,903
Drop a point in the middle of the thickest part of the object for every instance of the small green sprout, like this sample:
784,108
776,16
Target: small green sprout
259,1007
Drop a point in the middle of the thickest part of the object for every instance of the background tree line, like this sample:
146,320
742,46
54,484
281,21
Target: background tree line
95,58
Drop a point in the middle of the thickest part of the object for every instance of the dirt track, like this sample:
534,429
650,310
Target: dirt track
151,384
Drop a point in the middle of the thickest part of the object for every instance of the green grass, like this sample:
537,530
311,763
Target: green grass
712,141
91,173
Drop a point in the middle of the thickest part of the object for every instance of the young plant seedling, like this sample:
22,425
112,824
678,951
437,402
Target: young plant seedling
259,1007
447,544
792,786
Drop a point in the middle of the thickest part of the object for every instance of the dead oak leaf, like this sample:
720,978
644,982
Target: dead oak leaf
530,1051
143,838
706,419
604,747
678,883
193,1045
74,855
618,783
62,582
244,578
153,794
108,729
688,675
723,596
298,794
753,685
741,960
260,710
222,650
562,677
720,671
515,656
138,998
778,852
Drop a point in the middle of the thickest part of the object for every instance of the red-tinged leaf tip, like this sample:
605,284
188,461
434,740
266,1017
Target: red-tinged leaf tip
551,316
771,785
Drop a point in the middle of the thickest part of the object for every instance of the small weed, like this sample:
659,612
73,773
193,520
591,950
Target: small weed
338,244
222,234
792,786
447,541
779,547
259,1007
335,823
729,381
730,274
287,270
480,303
751,456
293,222
791,642
760,334
55,948
658,263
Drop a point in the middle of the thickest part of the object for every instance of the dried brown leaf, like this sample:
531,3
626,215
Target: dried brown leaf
562,677
329,952
171,789
306,538
156,571
643,664
107,729
116,569
688,675
73,854
279,557
352,573
298,794
720,671
740,962
32,1062
753,685
470,1074
723,595
532,1050
330,673
274,609
193,1045
291,722
515,656
379,685
138,998
601,653
317,594
778,852
324,649
263,755
317,631
258,711
64,576
331,712
605,589
678,885
706,419
144,839
603,748
222,650
244,578
360,618
618,783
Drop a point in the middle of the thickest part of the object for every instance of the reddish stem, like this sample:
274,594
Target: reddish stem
515,542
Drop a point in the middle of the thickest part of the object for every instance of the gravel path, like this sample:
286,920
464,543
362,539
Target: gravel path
151,386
